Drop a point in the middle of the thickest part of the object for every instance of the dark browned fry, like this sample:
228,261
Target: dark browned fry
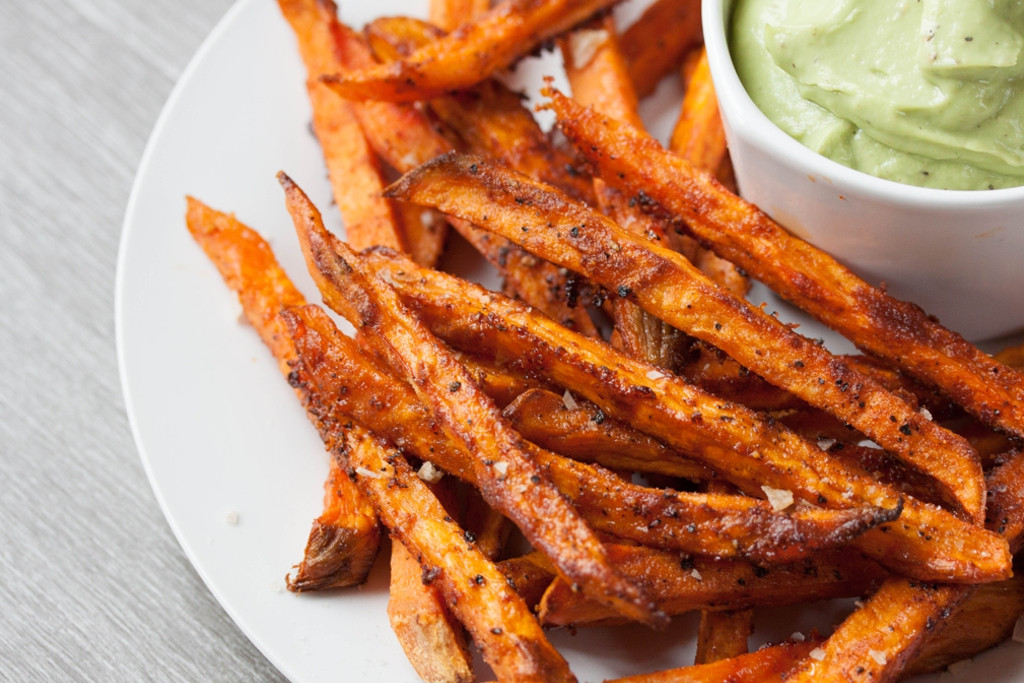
683,584
508,478
583,432
883,326
343,542
473,52
927,542
553,226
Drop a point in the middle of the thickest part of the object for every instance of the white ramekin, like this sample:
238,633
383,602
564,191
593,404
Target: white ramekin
957,254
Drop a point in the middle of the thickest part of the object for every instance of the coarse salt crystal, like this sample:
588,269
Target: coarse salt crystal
695,574
501,467
878,656
817,654
825,444
798,637
569,401
779,499
655,374
231,517
925,413
429,473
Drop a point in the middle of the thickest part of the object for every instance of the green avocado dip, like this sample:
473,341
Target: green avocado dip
923,92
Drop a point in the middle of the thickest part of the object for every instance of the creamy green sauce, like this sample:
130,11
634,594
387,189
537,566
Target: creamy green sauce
924,92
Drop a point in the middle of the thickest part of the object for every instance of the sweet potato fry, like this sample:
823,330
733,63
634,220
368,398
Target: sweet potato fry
471,53
584,433
509,479
431,639
879,324
354,171
434,642
655,43
508,635
927,543
683,521
879,638
551,225
683,584
722,635
698,134
597,74
399,134
985,619
529,575
343,542
450,14
767,663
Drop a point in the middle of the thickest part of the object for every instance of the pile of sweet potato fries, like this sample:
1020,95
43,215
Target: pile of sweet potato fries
659,444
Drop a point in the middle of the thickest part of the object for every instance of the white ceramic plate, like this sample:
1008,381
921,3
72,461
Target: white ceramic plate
236,467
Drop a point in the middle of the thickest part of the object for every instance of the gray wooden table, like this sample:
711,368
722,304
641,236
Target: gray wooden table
94,586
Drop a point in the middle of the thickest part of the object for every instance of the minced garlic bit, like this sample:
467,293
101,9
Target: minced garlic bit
779,499
501,467
569,401
878,656
429,473
1018,629
368,473
817,654
584,44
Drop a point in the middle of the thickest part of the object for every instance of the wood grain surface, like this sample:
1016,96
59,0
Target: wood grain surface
94,586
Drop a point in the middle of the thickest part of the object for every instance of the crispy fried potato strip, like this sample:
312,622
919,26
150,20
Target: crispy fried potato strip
343,542
474,51
881,325
926,542
514,483
551,225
